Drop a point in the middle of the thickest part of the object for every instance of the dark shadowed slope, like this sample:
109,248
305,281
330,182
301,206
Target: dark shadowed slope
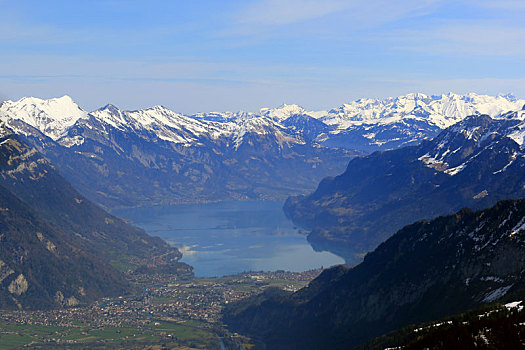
41,267
425,271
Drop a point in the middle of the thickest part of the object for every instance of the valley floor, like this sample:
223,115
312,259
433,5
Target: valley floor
168,313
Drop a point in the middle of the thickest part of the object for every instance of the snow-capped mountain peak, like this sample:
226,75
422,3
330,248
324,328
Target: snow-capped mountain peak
52,117
283,112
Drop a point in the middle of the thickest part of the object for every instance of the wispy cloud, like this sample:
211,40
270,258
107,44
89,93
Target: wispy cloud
178,83
311,52
455,38
19,32
273,13
278,12
502,4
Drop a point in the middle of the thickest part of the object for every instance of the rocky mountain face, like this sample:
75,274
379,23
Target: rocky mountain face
426,271
155,155
58,248
473,163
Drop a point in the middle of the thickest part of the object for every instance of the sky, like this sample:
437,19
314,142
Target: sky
202,55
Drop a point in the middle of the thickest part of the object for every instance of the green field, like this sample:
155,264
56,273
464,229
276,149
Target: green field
192,335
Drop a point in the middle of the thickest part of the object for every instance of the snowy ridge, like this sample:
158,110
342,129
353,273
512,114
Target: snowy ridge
178,128
261,126
162,122
459,145
55,117
364,124
442,110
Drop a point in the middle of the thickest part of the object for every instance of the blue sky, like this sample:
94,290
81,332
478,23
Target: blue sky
229,55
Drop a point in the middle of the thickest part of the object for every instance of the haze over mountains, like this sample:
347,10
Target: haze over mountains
129,158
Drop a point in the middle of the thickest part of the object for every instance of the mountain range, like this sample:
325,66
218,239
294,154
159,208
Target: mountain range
372,124
426,271
473,163
129,158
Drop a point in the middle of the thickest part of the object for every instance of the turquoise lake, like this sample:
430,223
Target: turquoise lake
225,238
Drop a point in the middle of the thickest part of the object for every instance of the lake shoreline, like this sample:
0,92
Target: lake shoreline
229,237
